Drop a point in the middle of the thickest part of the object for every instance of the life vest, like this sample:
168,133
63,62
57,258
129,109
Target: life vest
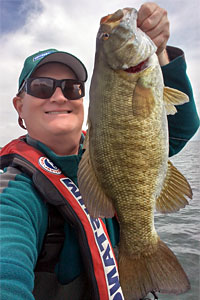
59,190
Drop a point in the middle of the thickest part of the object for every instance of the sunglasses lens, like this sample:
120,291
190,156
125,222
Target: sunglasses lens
44,88
41,88
72,90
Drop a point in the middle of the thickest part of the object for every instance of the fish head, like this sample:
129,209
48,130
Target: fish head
121,43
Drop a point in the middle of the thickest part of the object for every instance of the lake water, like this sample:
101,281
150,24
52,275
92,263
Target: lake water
181,230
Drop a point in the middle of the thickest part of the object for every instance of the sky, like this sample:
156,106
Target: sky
27,26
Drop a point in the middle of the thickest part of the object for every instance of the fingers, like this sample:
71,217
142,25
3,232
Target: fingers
158,25
160,34
153,20
145,16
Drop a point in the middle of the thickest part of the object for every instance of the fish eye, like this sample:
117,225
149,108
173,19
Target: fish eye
105,36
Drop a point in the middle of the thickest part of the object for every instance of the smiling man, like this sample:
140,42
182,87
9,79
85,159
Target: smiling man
60,119
43,255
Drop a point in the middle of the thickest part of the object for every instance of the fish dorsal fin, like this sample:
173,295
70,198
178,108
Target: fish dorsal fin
96,201
173,97
175,190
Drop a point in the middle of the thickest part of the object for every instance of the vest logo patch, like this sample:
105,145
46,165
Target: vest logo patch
48,166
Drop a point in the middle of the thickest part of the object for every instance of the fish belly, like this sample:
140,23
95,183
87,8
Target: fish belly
127,153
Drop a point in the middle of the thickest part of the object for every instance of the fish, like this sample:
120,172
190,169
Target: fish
125,169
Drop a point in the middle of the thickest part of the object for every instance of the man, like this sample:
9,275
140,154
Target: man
50,106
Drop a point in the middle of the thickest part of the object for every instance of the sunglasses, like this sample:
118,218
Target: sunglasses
44,87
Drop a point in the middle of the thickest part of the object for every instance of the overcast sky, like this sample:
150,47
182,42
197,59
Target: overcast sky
27,26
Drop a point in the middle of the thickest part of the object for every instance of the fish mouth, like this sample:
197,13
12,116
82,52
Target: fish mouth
114,19
138,68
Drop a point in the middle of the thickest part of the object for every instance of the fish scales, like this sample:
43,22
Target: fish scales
125,167
108,158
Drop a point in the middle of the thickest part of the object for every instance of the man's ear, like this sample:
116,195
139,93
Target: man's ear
18,104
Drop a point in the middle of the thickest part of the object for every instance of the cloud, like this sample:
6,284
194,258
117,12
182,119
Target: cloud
14,13
35,25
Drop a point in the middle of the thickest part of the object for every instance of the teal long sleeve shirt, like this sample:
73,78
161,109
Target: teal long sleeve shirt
184,124
24,215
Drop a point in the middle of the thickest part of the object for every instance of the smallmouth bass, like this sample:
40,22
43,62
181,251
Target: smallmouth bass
125,167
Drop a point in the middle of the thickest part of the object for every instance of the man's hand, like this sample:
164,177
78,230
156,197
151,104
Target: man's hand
153,20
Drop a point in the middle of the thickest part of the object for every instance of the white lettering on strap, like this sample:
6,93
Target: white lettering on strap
106,254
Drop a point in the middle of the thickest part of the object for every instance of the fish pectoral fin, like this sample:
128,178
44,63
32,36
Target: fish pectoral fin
173,97
95,200
175,190
143,101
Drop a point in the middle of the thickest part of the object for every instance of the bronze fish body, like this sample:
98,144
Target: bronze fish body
125,167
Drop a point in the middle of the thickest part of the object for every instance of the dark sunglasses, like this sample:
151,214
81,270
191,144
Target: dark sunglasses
44,87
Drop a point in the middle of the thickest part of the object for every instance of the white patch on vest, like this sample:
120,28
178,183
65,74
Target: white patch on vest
106,254
48,166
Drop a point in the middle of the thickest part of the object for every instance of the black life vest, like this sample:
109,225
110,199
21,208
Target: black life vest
60,192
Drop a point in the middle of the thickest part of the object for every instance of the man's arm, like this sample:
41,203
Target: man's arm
22,217
184,124
153,20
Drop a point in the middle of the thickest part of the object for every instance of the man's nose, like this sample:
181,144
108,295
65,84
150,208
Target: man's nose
58,96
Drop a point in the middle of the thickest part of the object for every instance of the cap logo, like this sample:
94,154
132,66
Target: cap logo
39,56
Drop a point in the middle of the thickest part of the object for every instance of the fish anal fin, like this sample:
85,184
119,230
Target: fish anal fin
143,101
159,271
173,97
174,193
96,201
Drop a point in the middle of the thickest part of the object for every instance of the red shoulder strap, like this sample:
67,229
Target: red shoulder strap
93,237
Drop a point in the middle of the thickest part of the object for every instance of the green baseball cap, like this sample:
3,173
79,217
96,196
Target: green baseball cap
52,55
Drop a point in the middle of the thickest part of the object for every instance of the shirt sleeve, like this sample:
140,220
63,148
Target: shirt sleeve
23,221
184,124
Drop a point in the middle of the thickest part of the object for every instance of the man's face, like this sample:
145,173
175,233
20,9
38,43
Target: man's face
45,118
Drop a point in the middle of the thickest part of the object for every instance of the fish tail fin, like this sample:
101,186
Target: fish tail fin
159,271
